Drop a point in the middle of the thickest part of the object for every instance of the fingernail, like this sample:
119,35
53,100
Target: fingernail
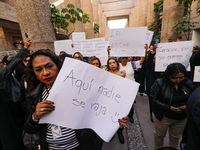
122,118
52,102
118,120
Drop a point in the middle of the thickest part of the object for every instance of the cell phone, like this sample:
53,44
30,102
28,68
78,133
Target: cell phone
26,35
157,41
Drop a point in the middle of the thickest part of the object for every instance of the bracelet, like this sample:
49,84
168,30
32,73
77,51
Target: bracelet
33,118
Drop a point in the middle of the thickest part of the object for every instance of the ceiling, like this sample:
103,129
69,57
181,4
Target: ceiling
110,8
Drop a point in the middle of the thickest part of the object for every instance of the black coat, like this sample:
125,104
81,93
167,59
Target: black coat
161,95
193,115
11,106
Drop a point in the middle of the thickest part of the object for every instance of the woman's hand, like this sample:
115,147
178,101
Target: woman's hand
176,109
123,73
123,122
42,108
27,43
182,107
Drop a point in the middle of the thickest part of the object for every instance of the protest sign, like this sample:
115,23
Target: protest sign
197,74
78,36
128,41
93,47
89,97
149,37
63,45
167,53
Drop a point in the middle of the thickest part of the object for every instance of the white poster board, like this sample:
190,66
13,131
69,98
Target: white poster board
78,36
89,97
127,41
63,45
93,47
197,73
167,53
149,37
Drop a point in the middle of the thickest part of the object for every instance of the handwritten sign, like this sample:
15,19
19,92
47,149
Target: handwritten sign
63,45
93,47
197,74
149,37
128,41
168,53
89,97
77,36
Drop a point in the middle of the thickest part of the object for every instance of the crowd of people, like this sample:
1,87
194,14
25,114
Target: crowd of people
27,78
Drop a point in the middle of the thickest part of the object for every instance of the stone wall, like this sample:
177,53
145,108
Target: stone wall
8,12
138,15
171,14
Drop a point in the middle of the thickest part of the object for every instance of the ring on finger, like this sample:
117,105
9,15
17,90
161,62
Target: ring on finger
42,109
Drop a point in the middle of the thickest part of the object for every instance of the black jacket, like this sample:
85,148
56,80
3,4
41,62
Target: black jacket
87,138
193,115
161,95
11,106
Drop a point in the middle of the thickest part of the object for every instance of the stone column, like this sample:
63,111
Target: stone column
78,26
88,27
150,12
95,15
171,14
101,25
34,19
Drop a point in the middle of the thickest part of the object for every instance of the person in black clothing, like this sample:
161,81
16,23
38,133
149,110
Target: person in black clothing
11,108
193,116
152,75
194,61
169,96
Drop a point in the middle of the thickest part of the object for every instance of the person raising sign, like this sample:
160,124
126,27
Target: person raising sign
41,73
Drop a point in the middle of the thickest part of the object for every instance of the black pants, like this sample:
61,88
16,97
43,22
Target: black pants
11,124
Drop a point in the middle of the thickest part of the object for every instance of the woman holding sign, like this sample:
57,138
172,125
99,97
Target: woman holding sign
113,67
169,96
40,74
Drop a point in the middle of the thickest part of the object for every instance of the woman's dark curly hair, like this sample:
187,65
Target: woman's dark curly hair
29,75
115,59
174,69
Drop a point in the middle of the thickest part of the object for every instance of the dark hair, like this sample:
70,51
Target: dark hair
29,55
115,59
95,58
174,69
29,74
80,55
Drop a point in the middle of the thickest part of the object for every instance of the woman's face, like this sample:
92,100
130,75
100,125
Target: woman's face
112,65
177,78
124,60
95,63
77,56
45,70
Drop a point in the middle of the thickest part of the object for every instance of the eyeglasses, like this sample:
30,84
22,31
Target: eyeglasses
26,61
77,57
175,79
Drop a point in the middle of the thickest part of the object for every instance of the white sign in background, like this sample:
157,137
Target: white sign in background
197,74
63,45
77,36
128,41
93,47
174,52
149,37
89,97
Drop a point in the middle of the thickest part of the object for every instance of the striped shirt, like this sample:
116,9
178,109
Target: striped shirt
68,139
